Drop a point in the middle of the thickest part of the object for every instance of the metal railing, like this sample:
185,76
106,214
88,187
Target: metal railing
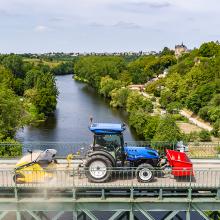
119,178
196,150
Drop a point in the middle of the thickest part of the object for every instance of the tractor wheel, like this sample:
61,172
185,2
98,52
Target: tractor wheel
98,169
145,173
17,176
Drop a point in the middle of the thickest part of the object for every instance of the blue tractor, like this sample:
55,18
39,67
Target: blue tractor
109,151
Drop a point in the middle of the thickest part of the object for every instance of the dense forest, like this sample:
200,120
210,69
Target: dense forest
192,82
28,94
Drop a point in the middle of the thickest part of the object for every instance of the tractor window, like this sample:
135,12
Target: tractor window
108,139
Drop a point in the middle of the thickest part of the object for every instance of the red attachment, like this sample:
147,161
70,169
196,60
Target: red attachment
180,163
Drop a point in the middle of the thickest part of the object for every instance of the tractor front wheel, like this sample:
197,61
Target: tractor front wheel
98,169
145,173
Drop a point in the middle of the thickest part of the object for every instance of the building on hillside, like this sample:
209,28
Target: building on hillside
180,49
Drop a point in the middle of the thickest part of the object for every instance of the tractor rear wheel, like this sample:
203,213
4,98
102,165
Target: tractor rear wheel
98,169
145,173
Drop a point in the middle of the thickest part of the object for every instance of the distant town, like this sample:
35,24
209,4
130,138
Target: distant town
179,50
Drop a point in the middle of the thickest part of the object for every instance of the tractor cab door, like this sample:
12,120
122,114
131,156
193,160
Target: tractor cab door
113,143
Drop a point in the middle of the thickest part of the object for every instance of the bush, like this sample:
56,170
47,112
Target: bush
10,148
119,97
191,137
107,85
167,130
204,135
137,101
216,128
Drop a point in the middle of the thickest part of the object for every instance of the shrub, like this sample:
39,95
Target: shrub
204,135
10,148
119,97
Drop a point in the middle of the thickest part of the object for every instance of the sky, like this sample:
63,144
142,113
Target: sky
39,26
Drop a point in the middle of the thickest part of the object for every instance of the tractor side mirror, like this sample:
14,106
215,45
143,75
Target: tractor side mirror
30,151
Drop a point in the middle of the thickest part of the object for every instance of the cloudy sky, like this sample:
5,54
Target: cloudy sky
106,25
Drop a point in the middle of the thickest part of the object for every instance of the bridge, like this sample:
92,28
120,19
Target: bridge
70,191
122,197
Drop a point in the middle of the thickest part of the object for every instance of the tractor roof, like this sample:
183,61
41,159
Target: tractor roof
106,128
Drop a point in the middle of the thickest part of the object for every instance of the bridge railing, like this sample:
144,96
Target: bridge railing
120,178
195,150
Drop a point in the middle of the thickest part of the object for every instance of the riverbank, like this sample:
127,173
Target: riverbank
77,102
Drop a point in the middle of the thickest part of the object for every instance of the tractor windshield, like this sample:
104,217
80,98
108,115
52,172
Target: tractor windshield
106,140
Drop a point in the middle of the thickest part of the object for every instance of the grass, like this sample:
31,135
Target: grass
203,151
36,61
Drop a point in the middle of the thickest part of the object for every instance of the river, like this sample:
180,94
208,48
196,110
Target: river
77,102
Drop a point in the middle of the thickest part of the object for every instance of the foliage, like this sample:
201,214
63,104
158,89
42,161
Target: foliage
167,130
200,97
204,135
15,64
137,101
191,137
193,84
209,49
166,51
147,67
155,87
10,113
126,78
107,84
10,148
93,68
63,68
119,97
43,92
216,128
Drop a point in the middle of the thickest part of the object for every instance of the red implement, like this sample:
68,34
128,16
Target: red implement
180,163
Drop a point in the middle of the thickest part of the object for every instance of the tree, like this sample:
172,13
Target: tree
126,78
63,69
6,77
166,51
137,119
137,101
204,135
93,68
200,97
10,113
167,130
150,127
15,64
41,91
107,85
32,77
119,97
209,49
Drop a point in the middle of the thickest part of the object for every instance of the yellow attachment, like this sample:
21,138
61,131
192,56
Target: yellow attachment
69,159
35,173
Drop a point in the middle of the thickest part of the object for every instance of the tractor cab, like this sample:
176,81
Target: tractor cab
108,151
108,137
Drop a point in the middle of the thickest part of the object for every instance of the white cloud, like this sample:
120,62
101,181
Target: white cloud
41,28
